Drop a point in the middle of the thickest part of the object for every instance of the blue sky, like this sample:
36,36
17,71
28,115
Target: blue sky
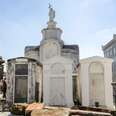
88,23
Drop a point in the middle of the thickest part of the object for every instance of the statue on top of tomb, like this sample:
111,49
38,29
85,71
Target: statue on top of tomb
51,13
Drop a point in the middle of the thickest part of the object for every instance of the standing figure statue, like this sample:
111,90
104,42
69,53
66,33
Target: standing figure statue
51,13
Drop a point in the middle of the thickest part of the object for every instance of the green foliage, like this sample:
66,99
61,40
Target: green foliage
18,110
77,102
96,104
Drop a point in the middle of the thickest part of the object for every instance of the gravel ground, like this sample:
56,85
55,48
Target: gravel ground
0,96
5,114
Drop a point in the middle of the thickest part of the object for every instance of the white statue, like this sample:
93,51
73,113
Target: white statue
51,13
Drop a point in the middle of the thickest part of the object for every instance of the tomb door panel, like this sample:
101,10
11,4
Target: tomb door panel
97,89
21,88
57,91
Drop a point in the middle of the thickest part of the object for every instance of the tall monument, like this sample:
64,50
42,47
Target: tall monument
57,69
59,64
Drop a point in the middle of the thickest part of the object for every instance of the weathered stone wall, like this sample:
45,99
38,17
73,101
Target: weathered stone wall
32,54
52,51
34,75
57,81
10,80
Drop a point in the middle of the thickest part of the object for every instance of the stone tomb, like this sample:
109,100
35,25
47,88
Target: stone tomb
57,81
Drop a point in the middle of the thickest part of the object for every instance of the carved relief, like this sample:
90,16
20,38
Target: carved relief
57,68
50,50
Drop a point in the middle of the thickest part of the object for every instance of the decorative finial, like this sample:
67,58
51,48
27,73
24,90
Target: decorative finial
51,13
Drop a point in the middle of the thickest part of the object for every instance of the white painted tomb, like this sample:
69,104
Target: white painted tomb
96,79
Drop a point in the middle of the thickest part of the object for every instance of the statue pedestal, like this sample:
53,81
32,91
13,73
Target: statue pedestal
51,24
